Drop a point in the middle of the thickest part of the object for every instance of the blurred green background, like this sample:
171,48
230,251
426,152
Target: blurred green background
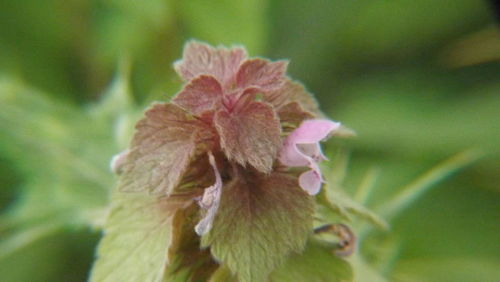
417,80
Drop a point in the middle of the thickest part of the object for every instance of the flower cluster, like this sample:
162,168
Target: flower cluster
233,114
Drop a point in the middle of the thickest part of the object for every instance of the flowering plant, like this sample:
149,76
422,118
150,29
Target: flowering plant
227,170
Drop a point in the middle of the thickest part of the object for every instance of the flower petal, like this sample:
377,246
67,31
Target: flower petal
250,134
200,95
313,131
261,74
210,201
301,148
162,147
291,156
200,58
310,181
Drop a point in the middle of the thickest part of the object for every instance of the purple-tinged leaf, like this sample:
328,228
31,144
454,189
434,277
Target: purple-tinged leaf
261,74
202,94
200,58
250,135
261,220
292,91
162,147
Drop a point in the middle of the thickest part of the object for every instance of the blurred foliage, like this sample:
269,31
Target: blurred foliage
418,80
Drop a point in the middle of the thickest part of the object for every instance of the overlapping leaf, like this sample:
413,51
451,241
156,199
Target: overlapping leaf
261,220
250,135
161,150
137,236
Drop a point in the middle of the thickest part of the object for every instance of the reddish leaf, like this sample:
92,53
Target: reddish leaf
200,95
199,58
292,115
261,74
161,150
292,91
250,134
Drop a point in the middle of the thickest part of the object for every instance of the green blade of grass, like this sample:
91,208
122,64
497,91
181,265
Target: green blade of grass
420,185
27,237
366,186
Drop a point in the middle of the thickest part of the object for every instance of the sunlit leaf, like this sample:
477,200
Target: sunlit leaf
136,240
317,263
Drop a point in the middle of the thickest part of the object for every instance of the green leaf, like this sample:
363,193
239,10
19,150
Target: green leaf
317,263
208,20
23,238
412,191
188,261
61,150
366,186
162,147
452,269
136,239
364,271
341,204
261,219
117,100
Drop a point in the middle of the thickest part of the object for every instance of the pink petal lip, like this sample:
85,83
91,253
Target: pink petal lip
301,148
210,201
311,182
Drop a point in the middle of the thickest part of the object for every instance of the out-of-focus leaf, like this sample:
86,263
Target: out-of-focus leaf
480,47
137,236
419,124
209,21
128,27
117,99
366,186
335,202
402,27
365,272
346,207
49,142
58,256
410,193
24,238
448,269
317,263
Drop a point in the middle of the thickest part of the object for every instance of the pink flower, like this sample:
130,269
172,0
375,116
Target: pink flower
301,148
